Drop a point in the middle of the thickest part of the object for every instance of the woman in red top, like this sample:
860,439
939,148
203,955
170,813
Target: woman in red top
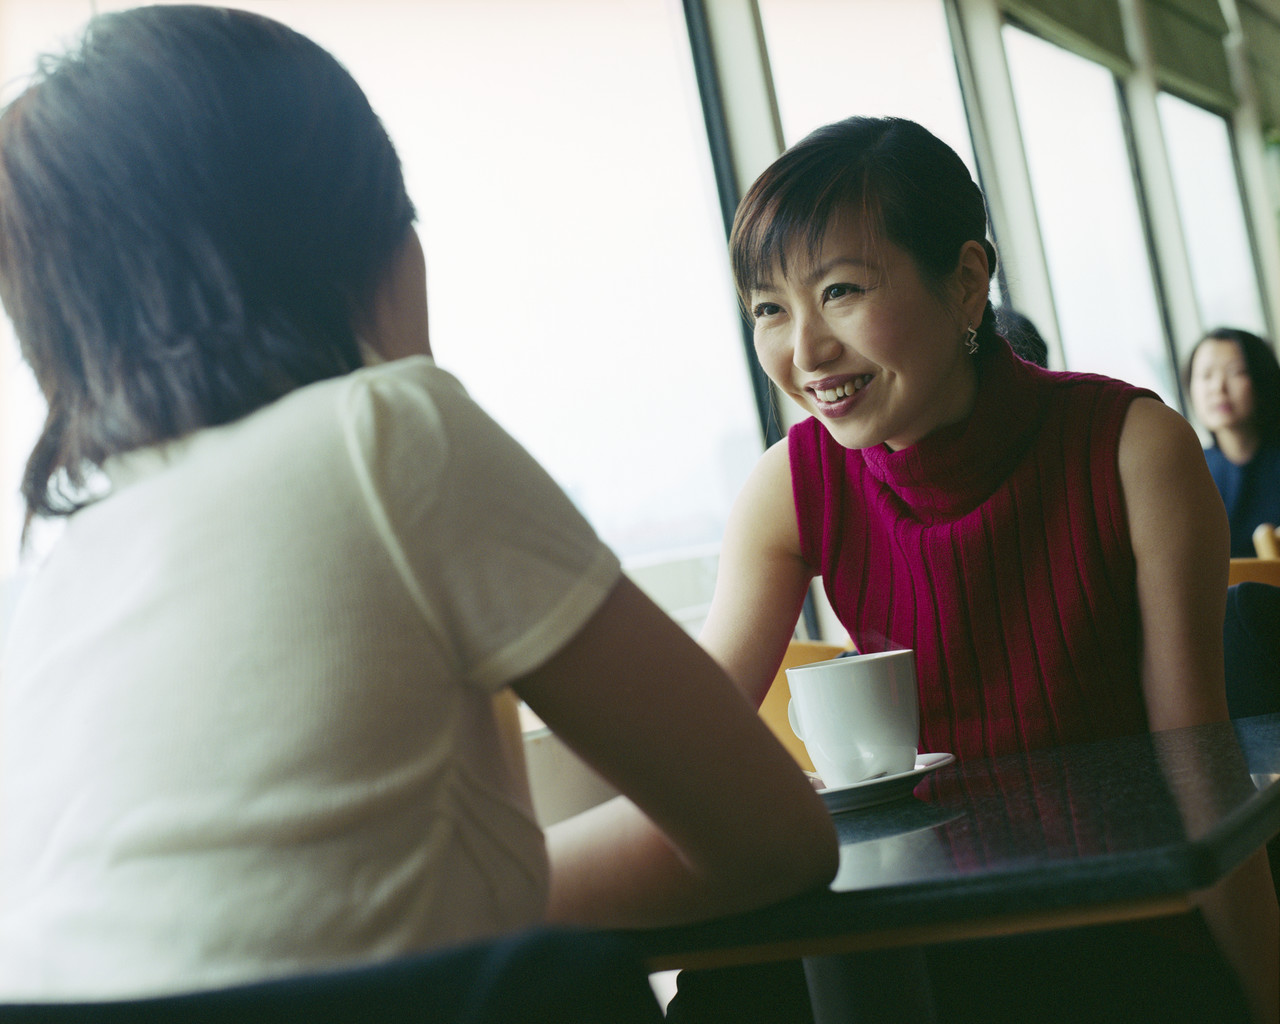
1051,545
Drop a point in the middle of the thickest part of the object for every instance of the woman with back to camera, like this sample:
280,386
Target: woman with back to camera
1050,544
1233,379
248,713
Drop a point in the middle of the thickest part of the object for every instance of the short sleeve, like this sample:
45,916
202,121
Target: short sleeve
496,558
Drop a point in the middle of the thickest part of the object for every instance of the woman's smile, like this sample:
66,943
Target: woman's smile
835,396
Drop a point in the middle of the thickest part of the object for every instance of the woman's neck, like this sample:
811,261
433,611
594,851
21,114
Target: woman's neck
1239,445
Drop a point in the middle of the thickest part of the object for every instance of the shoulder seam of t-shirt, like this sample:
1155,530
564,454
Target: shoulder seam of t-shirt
551,633
377,513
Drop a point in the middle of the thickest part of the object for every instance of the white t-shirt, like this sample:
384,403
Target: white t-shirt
248,721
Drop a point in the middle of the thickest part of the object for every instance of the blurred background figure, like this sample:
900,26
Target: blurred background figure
1234,383
1022,336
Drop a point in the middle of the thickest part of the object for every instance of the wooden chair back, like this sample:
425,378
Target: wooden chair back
1257,570
1266,541
774,707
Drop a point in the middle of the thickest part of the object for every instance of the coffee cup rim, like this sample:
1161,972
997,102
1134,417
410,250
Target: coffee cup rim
873,656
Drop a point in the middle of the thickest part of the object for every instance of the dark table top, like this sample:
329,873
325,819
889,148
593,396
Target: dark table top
1135,821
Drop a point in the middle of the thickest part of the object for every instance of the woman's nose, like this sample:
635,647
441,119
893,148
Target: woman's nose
814,343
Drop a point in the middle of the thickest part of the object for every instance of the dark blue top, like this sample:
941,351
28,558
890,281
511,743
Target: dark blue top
1251,493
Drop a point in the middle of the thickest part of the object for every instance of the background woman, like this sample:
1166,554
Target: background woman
1234,382
248,713
1050,544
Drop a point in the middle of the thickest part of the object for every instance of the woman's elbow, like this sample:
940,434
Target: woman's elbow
795,856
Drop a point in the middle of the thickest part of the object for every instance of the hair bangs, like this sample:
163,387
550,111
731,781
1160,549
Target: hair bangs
785,217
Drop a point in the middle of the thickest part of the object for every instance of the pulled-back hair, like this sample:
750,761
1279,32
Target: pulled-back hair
1264,374
194,205
905,185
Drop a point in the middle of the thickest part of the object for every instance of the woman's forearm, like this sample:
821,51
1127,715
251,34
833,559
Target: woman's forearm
611,867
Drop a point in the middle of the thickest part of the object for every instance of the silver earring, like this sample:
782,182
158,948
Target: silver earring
971,339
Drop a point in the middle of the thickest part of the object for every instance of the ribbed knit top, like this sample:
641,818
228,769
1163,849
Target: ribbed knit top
998,549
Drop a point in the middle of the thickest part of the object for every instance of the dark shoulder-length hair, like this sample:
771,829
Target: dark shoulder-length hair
195,203
904,183
1264,373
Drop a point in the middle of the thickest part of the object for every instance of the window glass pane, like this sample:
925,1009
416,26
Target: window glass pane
575,255
1099,264
832,59
1213,224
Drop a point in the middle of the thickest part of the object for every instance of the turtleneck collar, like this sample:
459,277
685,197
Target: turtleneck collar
956,468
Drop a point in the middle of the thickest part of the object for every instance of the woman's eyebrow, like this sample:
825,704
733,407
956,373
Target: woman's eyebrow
816,274
823,269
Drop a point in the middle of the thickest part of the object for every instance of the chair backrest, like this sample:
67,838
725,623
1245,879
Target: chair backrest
1254,570
545,976
1251,641
774,707
1266,541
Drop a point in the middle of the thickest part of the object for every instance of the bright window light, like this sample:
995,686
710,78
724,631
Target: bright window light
1212,213
1099,265
832,59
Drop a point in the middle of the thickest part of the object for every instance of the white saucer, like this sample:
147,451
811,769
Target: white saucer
881,791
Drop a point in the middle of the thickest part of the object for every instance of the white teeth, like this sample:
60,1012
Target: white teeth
844,390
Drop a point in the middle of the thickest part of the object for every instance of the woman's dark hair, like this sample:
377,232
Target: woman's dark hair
1023,337
905,184
1264,373
195,204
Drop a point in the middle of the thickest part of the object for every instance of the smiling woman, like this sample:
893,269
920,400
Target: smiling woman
1049,544
862,256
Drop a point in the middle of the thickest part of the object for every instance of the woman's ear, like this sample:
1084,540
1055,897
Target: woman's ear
395,324
972,280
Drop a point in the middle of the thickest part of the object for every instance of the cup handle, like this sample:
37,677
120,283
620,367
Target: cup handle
794,719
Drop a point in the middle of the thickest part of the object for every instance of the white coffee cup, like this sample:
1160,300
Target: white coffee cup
858,716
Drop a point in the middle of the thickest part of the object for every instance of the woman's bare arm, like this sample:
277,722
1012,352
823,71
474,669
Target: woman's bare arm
716,818
762,580
1180,541
1178,528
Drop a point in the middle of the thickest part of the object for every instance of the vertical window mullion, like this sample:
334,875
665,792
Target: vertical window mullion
985,82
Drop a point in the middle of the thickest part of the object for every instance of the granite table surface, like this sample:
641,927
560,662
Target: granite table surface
1125,820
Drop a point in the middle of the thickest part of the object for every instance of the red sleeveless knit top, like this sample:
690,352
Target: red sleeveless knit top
997,549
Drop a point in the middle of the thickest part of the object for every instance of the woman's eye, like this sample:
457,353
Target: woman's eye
763,309
839,291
